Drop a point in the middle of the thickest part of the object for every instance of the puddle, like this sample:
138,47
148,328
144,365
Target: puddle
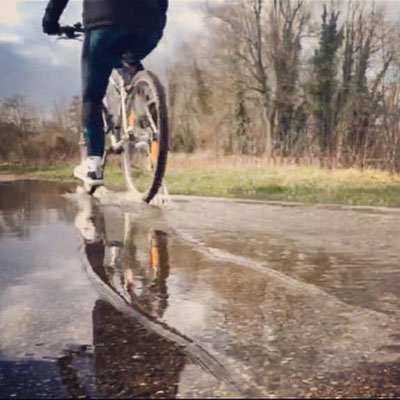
204,299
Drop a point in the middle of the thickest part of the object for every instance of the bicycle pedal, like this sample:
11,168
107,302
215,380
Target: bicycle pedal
118,150
130,131
118,147
129,88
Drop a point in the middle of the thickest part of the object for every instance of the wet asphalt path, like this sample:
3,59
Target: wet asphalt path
204,297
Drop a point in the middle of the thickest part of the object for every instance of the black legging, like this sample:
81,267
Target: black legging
103,50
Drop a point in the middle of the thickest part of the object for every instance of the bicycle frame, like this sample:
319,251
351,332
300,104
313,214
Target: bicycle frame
120,87
122,116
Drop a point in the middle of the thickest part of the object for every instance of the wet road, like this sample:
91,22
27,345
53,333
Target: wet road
204,297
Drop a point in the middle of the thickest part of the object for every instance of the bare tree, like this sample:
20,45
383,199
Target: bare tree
246,26
22,120
361,93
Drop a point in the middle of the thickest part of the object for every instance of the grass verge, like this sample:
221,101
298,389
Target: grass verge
285,183
62,172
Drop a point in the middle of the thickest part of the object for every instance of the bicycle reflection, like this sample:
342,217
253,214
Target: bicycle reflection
137,275
129,359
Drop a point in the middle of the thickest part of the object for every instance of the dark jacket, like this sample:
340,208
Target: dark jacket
144,14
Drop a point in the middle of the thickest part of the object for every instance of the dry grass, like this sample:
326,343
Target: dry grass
291,180
251,177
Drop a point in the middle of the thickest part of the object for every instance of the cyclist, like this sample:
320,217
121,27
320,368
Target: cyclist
116,31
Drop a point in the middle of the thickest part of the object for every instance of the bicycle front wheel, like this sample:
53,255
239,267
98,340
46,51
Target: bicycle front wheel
145,153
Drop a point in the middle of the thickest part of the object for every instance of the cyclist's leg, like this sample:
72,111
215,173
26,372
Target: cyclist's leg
139,44
100,55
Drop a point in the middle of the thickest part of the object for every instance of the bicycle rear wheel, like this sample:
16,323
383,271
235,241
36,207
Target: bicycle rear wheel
145,153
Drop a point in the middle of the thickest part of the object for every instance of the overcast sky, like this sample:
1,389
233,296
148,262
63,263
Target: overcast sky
45,69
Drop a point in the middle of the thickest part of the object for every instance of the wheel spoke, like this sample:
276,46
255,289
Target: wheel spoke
152,122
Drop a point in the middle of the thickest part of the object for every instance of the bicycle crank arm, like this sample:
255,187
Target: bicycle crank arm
117,147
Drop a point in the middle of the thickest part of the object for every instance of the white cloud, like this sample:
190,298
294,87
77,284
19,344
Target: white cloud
10,13
43,54
11,38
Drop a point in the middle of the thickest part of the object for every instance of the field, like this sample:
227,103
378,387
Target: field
254,178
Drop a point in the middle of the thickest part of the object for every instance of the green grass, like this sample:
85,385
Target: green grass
303,184
286,183
62,172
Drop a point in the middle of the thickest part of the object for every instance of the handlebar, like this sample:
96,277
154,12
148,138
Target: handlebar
71,32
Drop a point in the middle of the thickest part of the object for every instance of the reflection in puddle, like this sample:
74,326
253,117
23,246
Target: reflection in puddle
129,360
131,259
201,300
57,339
138,276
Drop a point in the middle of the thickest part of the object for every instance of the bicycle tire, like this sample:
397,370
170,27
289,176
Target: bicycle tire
150,79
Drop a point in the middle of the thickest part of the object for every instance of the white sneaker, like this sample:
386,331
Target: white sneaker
90,171
84,220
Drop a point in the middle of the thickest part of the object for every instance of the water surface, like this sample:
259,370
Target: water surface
203,298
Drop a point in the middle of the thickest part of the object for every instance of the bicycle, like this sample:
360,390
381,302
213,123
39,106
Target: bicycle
136,125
